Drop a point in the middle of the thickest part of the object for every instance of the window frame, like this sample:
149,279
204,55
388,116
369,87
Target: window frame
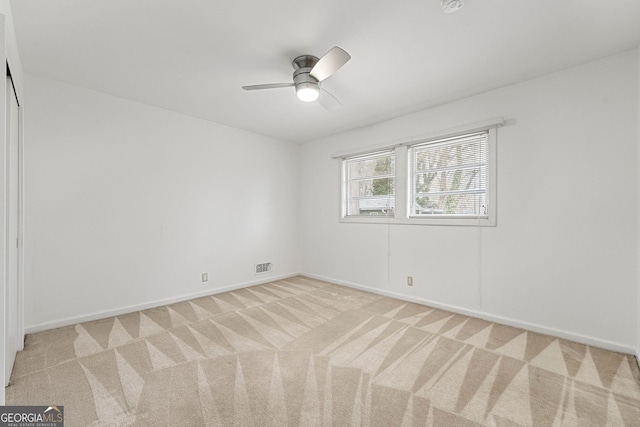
488,187
403,181
346,179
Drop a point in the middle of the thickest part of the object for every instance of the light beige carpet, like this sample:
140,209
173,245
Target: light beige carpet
301,352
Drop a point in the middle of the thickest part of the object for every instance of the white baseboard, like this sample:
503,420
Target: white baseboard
584,339
133,308
572,336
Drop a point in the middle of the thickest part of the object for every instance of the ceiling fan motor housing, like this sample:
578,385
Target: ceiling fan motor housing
302,77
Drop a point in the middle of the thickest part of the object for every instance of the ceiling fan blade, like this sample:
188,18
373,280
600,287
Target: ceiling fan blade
331,62
328,101
268,86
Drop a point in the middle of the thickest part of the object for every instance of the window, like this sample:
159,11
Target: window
445,178
370,185
449,176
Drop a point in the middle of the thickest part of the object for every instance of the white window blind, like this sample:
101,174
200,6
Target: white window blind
449,177
370,184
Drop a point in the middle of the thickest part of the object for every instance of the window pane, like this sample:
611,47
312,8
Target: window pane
450,176
370,184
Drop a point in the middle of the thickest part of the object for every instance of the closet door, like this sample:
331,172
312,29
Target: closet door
12,174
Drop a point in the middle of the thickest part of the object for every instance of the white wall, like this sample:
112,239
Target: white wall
128,204
562,258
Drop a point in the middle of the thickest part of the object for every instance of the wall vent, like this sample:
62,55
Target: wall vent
264,267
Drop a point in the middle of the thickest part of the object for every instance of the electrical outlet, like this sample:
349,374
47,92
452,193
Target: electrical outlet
205,277
409,280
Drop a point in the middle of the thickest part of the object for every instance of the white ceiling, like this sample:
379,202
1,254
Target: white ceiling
193,56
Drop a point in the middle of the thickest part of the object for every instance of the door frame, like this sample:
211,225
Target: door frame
12,218
3,246
20,222
3,210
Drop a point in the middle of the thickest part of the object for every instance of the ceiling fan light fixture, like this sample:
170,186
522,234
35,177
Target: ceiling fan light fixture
450,6
308,72
307,92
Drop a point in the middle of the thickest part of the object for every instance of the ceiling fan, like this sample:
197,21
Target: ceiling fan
309,72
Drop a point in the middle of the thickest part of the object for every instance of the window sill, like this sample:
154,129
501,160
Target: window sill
447,221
